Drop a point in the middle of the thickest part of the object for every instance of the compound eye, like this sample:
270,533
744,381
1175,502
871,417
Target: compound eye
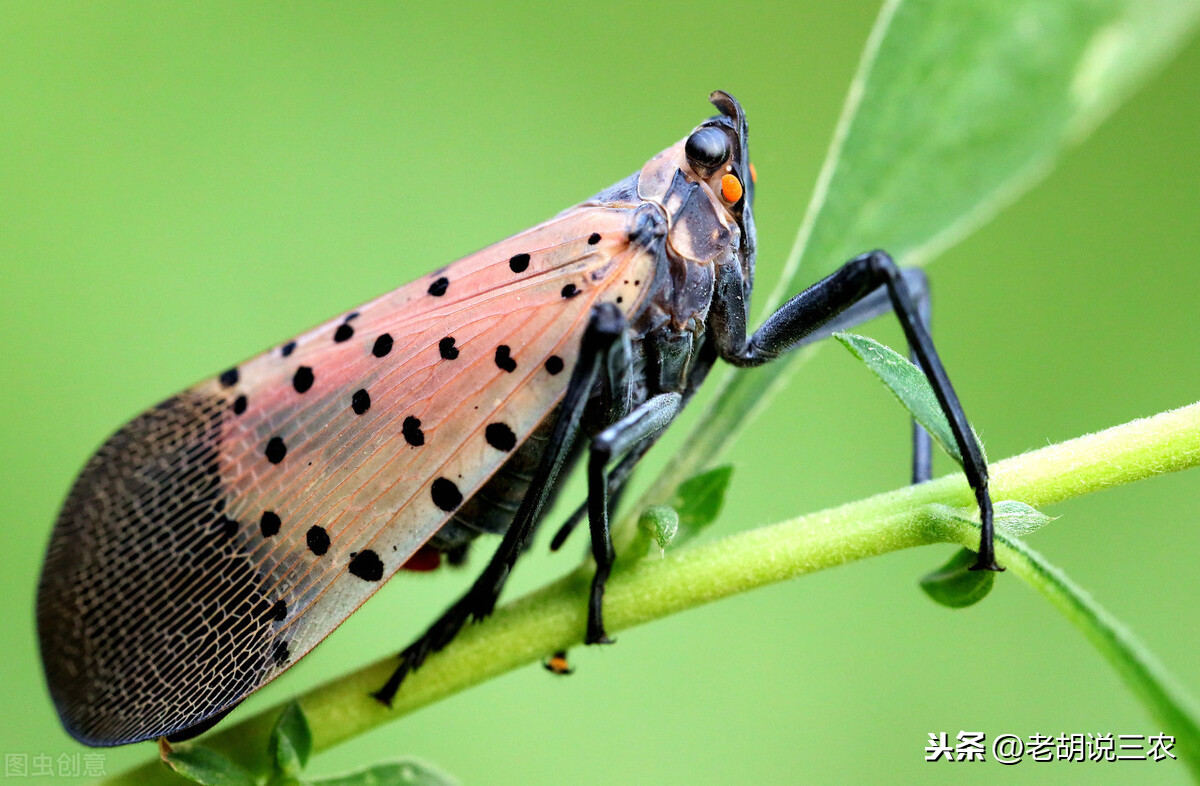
706,149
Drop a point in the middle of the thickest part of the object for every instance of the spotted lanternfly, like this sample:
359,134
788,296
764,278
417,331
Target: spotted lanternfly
216,538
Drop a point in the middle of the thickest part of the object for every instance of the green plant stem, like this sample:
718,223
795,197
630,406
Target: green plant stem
553,617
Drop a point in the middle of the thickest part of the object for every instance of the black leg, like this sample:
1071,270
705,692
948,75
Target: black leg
643,423
810,314
568,526
874,304
701,363
922,443
617,478
606,329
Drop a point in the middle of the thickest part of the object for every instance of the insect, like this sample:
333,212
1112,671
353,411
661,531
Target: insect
216,538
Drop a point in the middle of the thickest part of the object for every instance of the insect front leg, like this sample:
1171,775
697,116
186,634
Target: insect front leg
875,304
810,315
605,329
644,423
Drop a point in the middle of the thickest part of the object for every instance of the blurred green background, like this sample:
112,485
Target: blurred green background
183,186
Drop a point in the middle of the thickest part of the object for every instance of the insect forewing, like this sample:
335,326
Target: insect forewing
218,537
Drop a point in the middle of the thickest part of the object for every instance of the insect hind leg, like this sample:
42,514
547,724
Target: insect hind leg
605,329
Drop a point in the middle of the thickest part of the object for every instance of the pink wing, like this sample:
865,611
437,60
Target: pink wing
217,538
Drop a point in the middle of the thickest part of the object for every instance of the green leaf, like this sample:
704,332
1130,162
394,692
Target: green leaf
1010,516
1018,519
957,109
203,765
408,772
291,741
698,502
961,107
660,523
955,584
910,385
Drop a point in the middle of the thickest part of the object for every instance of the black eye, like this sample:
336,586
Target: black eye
707,148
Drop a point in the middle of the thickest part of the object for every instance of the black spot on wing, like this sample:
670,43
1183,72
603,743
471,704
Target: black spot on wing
229,378
280,655
269,524
287,348
360,402
343,333
519,263
570,291
594,239
504,359
278,612
447,349
383,345
445,494
554,364
239,405
317,539
412,432
439,287
276,450
367,566
302,380
500,436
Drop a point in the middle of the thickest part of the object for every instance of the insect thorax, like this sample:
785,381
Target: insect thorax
667,351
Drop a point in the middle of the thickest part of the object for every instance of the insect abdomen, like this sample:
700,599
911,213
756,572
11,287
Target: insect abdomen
491,509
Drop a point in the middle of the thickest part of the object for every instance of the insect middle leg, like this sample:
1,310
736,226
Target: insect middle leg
617,480
644,423
811,314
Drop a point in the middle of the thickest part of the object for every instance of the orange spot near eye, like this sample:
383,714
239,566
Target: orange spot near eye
753,174
731,188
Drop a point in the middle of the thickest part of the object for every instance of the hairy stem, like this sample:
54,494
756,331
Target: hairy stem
553,617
